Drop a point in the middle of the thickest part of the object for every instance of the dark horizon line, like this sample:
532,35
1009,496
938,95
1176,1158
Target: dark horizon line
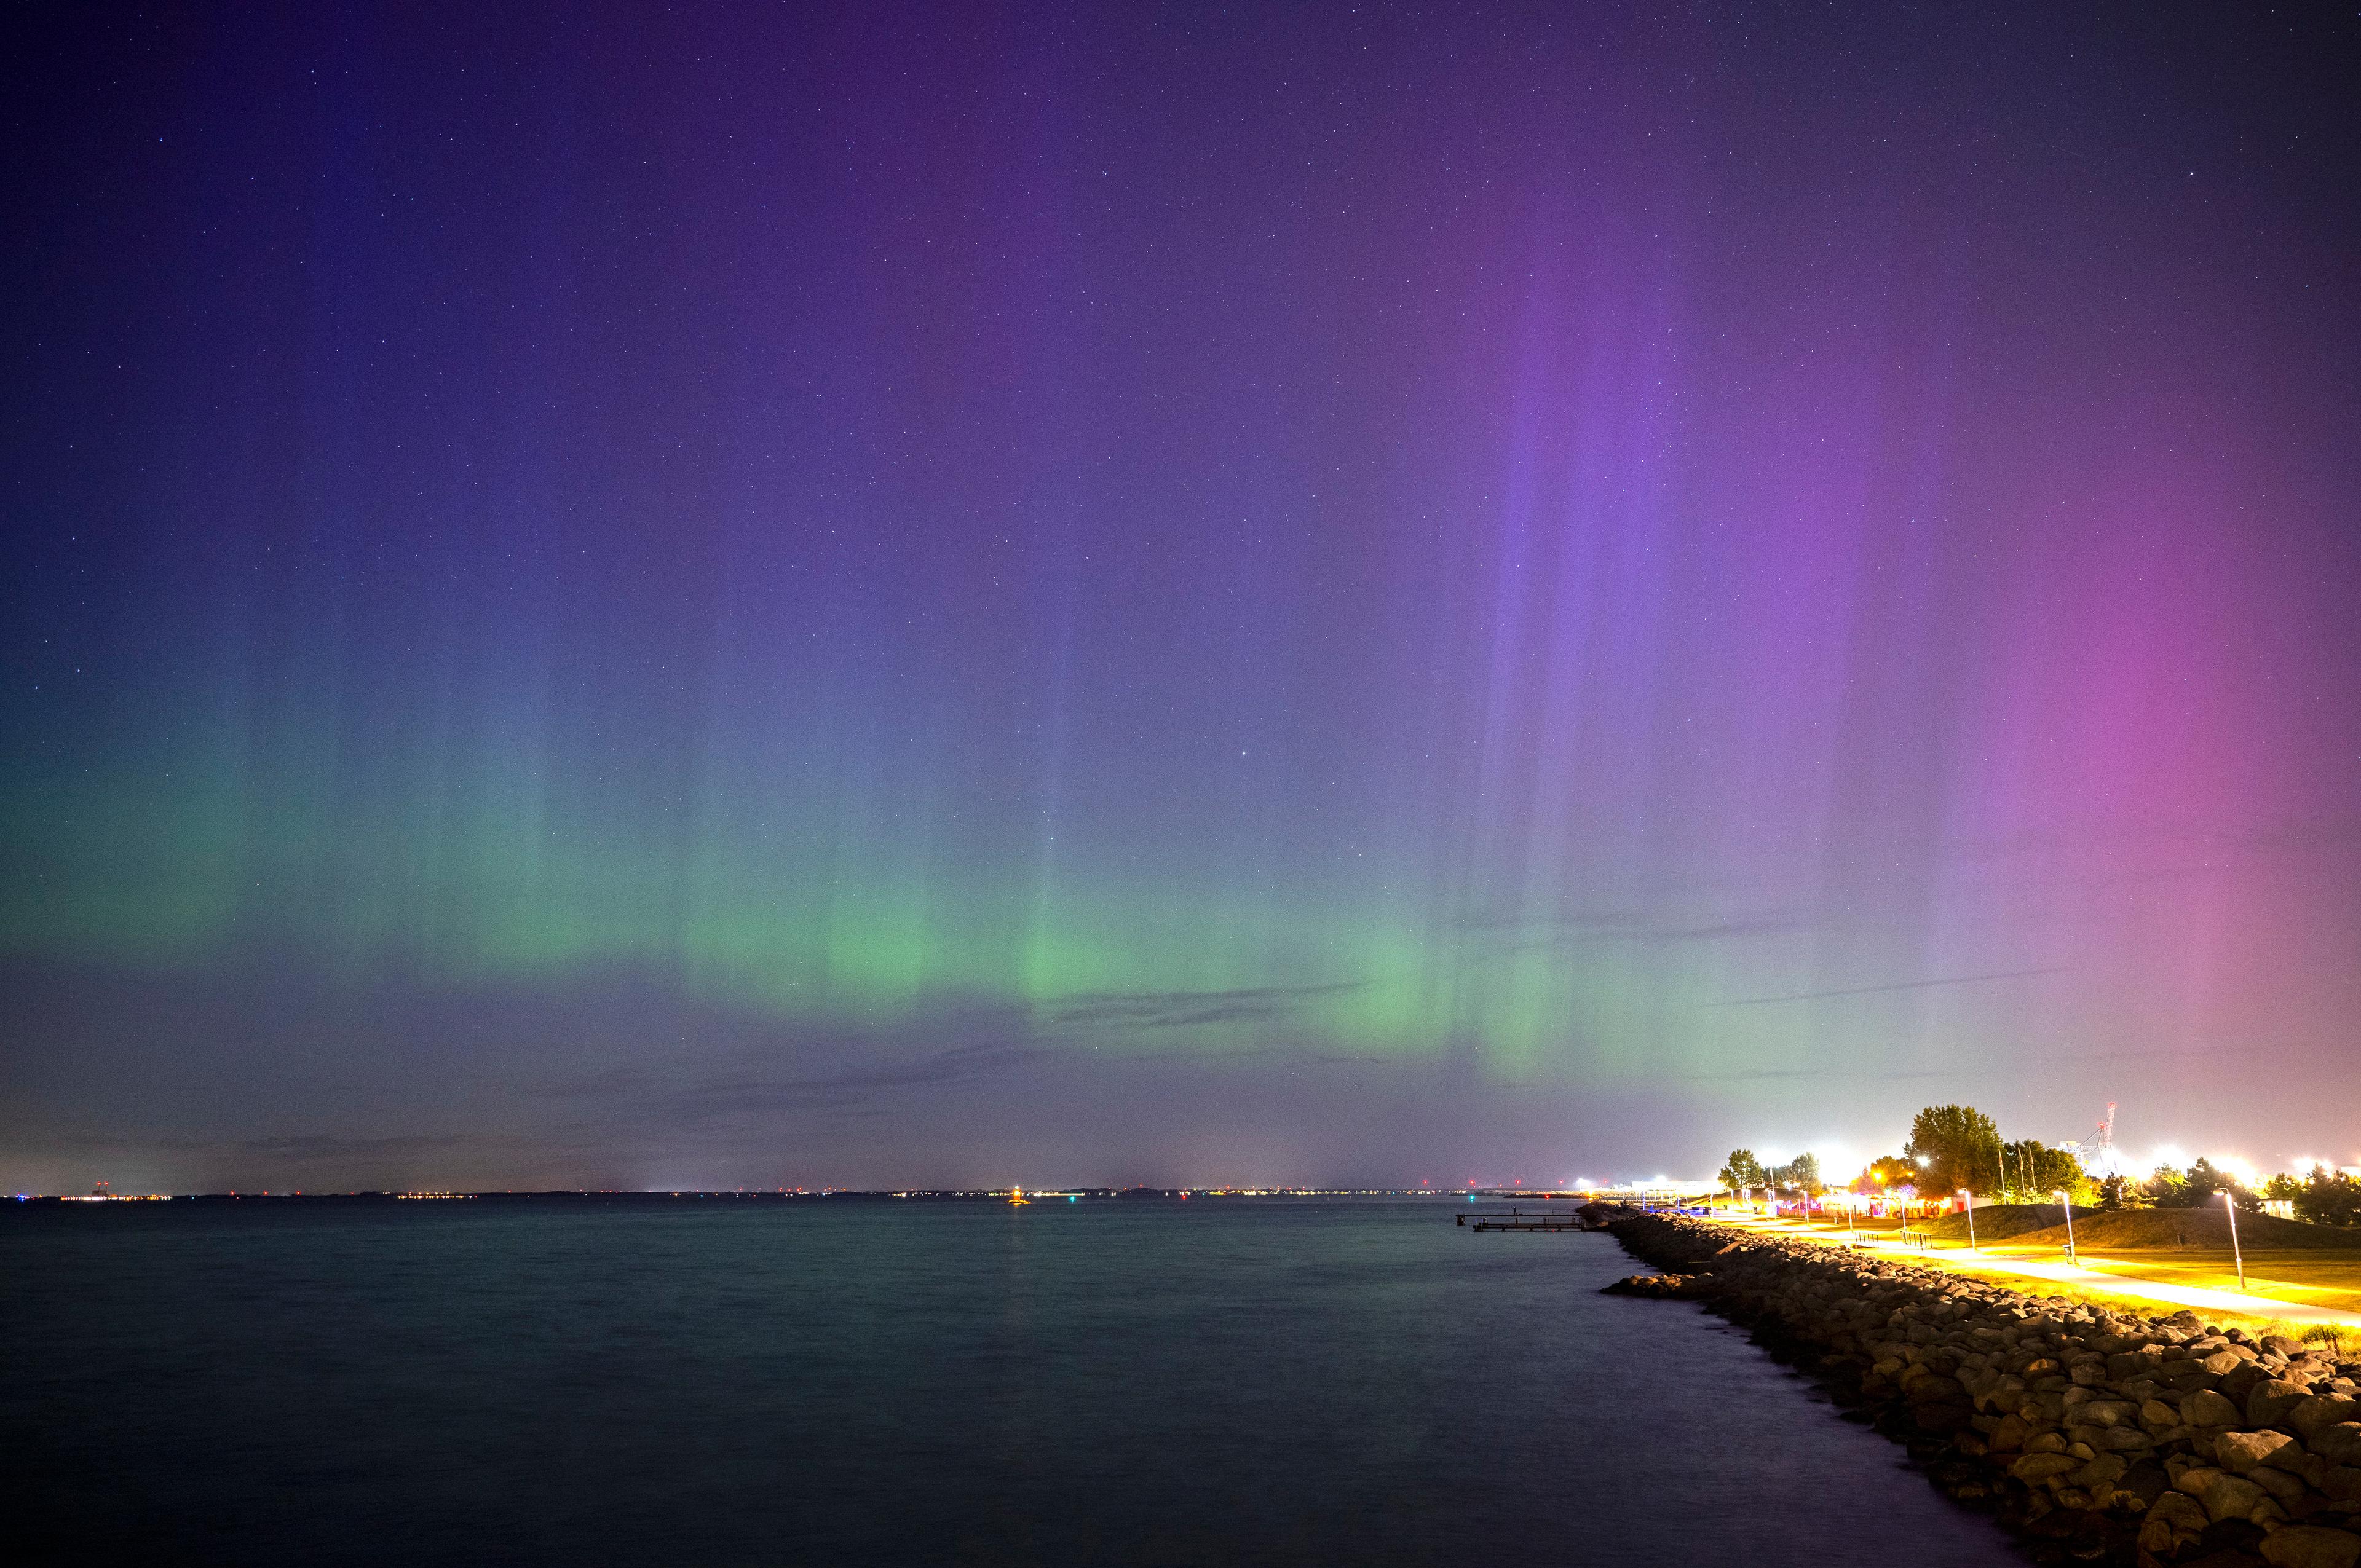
375,1195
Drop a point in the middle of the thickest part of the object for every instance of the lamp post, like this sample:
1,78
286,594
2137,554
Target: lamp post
1972,1217
2068,1202
2230,1204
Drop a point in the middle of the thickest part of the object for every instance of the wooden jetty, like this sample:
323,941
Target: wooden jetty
1524,1220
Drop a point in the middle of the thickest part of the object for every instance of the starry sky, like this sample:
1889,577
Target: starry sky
779,595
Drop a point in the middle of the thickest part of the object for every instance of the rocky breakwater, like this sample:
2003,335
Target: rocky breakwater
2100,1436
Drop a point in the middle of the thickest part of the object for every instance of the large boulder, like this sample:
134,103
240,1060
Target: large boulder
1939,1420
2239,1452
2103,1471
2033,1469
2282,1485
2207,1408
2171,1522
1935,1388
2225,1496
2321,1410
1672,1287
2268,1403
2183,1376
2312,1546
2147,1481
2339,1444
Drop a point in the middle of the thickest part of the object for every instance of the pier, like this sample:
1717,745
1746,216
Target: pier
1522,1220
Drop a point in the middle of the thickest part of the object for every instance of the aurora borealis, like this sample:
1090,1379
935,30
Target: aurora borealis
760,596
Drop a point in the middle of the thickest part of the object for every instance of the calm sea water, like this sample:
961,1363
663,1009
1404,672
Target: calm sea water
1256,1381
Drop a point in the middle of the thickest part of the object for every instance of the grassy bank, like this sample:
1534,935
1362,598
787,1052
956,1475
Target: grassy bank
2319,1274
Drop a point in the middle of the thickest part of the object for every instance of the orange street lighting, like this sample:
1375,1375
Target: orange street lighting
2060,1193
2229,1205
1972,1217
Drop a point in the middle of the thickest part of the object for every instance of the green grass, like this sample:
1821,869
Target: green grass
2314,1275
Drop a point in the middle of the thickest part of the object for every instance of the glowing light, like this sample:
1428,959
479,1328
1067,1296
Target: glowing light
2245,1173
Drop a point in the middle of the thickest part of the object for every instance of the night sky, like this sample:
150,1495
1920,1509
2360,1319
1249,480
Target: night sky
606,595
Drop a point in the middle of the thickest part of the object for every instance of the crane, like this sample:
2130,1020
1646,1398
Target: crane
2097,1152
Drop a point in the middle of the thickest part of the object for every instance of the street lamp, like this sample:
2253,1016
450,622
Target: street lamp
2060,1193
2230,1204
1972,1217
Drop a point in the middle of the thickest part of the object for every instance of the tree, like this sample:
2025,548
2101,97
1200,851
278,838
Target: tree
2282,1188
2203,1185
1743,1171
2164,1187
2036,1170
1953,1147
2329,1198
1885,1173
1803,1172
2120,1191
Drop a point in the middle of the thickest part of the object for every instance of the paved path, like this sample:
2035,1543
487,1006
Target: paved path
2195,1297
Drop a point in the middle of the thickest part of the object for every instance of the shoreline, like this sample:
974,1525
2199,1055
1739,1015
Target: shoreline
2094,1435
